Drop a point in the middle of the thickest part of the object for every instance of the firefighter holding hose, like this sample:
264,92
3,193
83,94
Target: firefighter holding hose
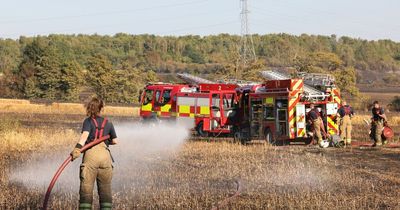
97,161
345,113
378,120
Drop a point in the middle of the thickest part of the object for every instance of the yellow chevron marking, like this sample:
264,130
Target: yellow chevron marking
296,86
331,122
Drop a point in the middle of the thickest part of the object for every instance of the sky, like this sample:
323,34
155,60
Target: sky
366,19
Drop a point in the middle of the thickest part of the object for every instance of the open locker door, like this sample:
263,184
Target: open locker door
300,120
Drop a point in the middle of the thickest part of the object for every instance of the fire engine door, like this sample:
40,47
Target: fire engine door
300,120
147,101
215,110
164,101
227,107
157,97
281,118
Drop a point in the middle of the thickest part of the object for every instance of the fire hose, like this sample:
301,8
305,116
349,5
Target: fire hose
225,202
64,165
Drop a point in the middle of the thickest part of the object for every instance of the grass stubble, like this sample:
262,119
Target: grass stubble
198,174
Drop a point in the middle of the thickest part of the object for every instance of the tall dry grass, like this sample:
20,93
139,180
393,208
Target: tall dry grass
25,106
359,119
16,138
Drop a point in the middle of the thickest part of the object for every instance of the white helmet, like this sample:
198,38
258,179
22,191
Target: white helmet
324,144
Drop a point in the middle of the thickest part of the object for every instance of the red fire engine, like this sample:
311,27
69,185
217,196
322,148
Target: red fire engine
277,109
158,101
274,110
207,107
210,109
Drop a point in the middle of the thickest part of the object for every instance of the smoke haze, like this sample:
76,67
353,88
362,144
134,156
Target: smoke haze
137,146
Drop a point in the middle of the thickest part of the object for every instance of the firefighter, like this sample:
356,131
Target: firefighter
345,113
314,118
97,161
378,119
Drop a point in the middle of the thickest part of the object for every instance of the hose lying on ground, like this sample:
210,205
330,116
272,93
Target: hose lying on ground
64,164
228,199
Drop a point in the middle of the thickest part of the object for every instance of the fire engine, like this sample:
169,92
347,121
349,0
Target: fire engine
158,101
210,109
277,109
201,104
272,111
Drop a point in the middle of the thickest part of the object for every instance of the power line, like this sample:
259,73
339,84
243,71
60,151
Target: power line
103,13
142,21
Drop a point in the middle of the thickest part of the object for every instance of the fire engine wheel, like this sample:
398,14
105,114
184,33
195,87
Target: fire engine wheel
200,130
268,136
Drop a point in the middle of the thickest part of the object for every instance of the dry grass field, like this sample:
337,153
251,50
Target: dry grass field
159,169
25,106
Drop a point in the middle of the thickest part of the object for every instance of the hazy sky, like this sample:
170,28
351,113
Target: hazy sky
367,19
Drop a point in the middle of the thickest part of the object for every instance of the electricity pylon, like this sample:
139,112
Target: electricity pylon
247,53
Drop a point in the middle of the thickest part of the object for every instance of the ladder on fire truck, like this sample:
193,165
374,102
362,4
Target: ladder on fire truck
193,80
310,92
237,82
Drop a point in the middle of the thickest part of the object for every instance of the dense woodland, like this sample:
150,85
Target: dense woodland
62,67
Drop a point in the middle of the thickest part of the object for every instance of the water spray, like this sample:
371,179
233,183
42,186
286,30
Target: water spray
64,165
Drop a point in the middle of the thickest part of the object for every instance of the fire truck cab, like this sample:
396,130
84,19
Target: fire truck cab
210,110
158,101
276,111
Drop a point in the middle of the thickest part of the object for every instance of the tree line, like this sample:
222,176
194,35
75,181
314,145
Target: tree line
62,67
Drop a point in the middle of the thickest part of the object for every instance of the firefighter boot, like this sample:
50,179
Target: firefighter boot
85,206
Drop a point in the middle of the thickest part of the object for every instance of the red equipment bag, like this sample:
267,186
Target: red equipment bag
388,132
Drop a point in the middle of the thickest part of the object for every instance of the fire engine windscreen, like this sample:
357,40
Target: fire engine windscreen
139,148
